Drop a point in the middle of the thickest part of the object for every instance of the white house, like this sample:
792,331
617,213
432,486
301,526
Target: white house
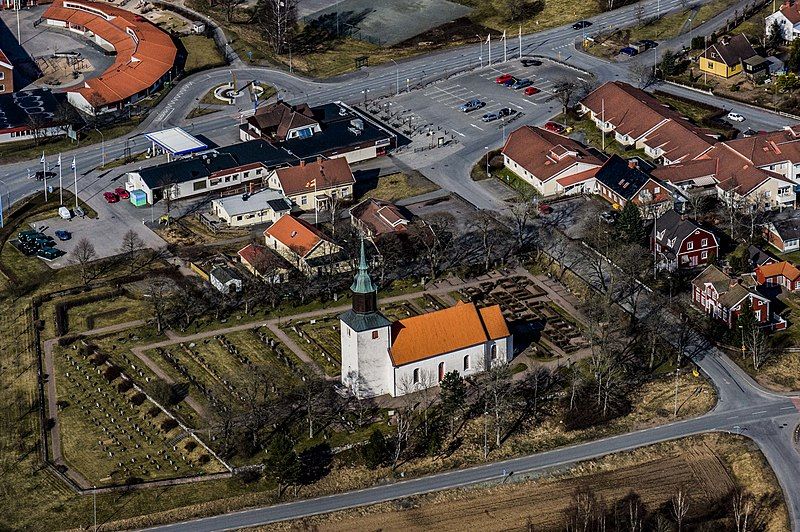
225,279
382,357
788,18
240,210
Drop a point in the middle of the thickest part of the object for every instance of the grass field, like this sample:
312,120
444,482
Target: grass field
394,187
655,474
202,53
493,14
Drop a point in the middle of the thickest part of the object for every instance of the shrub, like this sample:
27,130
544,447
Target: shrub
138,398
168,424
376,451
111,373
124,386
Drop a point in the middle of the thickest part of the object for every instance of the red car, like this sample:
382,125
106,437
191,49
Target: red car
110,197
530,91
555,128
544,208
503,78
122,193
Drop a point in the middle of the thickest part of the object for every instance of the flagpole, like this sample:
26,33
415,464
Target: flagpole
44,175
520,41
60,187
316,207
489,41
603,119
505,47
75,172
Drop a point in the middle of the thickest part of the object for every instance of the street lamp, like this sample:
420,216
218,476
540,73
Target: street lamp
2,218
487,160
365,92
102,147
397,77
480,54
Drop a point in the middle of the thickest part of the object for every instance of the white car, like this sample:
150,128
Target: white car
736,117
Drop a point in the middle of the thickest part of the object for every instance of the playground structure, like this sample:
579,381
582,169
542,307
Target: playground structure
64,68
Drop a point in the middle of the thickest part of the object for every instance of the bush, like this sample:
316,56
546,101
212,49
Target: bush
246,476
138,398
376,451
190,446
124,386
99,359
111,373
168,424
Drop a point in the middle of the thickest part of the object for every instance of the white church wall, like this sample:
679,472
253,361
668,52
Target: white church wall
365,356
428,374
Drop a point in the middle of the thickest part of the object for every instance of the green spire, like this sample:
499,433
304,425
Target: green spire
362,284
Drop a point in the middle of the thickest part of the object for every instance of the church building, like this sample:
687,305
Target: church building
383,357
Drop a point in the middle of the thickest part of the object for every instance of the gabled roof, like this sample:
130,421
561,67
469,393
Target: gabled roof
674,230
545,154
4,62
757,256
732,52
261,259
679,141
444,331
621,177
322,174
730,291
737,173
682,172
573,179
296,234
787,228
381,217
784,268
225,274
791,11
768,148
279,117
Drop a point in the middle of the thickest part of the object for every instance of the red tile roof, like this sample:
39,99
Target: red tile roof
296,234
261,259
736,172
786,269
322,174
791,11
144,53
4,60
769,148
444,331
577,178
380,217
545,154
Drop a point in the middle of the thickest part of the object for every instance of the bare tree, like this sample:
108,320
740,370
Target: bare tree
742,503
489,232
567,90
277,20
83,254
757,344
679,504
131,244
158,291
228,7
496,385
435,238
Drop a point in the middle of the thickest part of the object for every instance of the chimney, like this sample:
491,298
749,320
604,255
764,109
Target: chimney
633,164
319,159
302,163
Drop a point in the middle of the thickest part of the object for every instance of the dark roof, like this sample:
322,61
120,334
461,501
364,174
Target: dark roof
279,205
279,117
675,230
364,322
624,179
737,49
19,109
758,257
336,137
206,163
787,229
225,274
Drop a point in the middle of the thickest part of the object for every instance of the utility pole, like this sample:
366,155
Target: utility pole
75,172
94,506
397,77
480,53
60,187
603,119
44,175
485,439
19,34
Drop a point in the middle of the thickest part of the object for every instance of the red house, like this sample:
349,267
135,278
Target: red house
721,297
681,244
783,274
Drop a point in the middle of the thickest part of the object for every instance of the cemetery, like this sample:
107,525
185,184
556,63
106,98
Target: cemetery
112,432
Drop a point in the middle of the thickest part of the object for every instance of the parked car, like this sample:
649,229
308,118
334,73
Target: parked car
122,193
736,117
649,43
750,133
521,84
63,235
608,217
506,111
530,91
530,62
581,24
490,117
509,82
502,78
544,208
471,105
110,197
629,51
554,127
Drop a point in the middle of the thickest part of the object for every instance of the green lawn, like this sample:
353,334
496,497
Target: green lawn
202,53
394,187
594,137
511,179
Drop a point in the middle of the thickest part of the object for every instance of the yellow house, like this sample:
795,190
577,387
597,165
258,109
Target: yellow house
726,57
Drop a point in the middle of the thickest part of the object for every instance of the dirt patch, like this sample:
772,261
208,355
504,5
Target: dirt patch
654,474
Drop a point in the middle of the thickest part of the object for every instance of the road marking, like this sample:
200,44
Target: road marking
788,408
458,132
517,106
530,102
760,412
477,127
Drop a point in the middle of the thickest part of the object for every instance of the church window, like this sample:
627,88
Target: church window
416,376
374,335
441,371
493,352
466,362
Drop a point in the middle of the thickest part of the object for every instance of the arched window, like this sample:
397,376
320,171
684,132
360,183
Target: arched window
416,376
493,352
441,371
466,362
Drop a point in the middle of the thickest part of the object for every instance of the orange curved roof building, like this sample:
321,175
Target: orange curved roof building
144,53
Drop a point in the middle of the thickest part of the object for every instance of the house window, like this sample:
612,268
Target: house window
374,335
704,255
466,362
416,376
304,200
690,246
758,315
704,242
199,185
246,175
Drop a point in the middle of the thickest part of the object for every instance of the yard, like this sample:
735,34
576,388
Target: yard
202,53
394,187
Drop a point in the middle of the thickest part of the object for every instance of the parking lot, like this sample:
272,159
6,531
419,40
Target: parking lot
437,106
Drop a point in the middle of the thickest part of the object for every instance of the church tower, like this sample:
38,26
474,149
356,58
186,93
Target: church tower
366,337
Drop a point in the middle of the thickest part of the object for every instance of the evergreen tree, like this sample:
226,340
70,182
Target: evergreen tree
452,395
376,451
630,226
282,464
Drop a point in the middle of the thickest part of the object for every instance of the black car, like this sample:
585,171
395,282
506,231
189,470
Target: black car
649,43
581,24
530,62
506,111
